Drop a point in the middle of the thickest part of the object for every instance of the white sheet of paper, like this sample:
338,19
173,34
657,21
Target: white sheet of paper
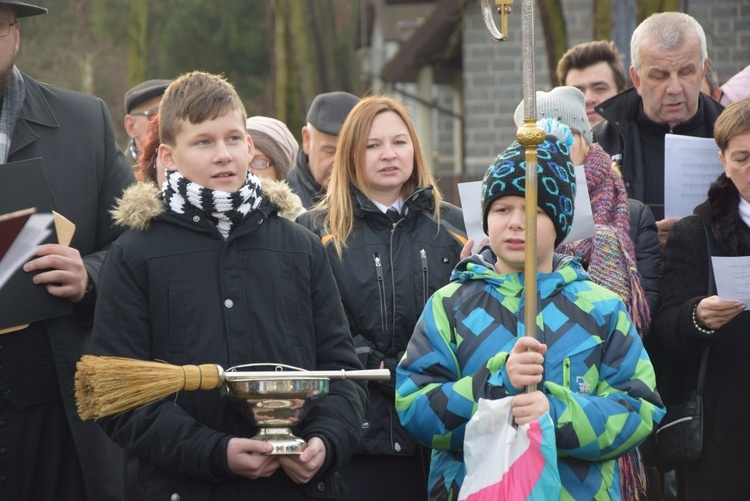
583,219
24,246
471,194
691,164
732,276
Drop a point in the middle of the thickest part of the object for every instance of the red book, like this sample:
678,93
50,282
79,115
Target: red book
10,226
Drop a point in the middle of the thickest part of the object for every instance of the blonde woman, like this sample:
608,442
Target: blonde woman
391,241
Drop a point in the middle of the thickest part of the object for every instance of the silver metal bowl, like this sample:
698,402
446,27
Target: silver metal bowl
275,404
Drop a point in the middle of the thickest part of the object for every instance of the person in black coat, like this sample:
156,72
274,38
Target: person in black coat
59,153
210,273
669,61
691,318
391,242
648,253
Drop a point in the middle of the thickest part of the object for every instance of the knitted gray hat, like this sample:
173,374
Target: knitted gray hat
277,142
566,104
556,178
328,111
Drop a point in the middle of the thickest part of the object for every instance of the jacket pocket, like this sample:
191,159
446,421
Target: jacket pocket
425,276
575,367
180,315
381,290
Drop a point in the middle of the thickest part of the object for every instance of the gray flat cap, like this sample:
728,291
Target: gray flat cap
144,91
328,111
24,9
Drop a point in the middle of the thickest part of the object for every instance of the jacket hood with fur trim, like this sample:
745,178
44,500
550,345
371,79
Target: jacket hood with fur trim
140,203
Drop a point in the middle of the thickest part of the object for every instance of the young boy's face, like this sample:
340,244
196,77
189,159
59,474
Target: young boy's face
506,226
213,154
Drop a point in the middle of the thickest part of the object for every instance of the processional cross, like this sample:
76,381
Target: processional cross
530,136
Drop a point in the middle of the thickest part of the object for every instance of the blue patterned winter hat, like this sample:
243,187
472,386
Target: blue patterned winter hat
556,175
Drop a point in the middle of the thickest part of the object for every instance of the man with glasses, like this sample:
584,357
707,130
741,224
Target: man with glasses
141,103
57,152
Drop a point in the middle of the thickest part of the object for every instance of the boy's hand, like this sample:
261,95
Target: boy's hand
247,458
303,467
525,362
65,274
529,406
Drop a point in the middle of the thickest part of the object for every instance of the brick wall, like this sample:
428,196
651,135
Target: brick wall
492,75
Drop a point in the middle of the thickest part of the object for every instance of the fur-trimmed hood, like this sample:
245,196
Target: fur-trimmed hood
141,203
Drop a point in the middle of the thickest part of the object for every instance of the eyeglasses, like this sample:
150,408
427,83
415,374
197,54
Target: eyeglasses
146,113
5,25
261,163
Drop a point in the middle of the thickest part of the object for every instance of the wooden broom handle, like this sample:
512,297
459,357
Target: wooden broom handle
201,377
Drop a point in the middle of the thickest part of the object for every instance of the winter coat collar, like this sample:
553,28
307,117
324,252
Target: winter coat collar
420,200
566,269
35,109
624,107
141,203
303,182
721,213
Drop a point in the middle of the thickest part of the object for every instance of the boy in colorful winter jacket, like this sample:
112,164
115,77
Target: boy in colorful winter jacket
587,361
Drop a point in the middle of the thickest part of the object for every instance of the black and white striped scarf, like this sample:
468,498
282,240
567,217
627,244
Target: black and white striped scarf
226,210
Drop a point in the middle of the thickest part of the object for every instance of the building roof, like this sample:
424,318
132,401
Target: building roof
437,42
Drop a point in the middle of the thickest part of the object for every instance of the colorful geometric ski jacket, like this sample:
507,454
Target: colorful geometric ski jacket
597,375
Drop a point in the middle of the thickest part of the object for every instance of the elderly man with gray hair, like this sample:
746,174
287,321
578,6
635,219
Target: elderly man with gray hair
669,59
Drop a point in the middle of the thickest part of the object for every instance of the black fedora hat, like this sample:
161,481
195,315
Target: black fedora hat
24,9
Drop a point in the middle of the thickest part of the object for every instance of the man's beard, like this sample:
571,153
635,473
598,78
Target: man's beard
5,75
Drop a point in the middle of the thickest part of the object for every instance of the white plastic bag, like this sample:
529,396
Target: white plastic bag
508,462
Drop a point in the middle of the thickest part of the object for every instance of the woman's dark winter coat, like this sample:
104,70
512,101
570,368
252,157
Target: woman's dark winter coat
721,471
173,289
385,276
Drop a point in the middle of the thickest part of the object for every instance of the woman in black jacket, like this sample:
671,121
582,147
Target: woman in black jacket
691,319
391,242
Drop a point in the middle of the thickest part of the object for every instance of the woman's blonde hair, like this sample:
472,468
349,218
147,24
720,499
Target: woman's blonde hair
349,164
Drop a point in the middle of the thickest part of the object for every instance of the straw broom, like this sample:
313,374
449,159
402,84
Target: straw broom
106,386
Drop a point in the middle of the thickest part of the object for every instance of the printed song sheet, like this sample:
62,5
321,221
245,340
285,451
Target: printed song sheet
691,164
732,276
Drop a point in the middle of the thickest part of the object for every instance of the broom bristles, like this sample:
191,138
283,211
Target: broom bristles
106,386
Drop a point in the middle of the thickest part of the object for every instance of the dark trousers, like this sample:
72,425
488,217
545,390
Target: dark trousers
38,459
389,478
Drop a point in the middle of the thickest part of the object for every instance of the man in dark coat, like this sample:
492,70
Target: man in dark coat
46,451
669,62
327,113
141,103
